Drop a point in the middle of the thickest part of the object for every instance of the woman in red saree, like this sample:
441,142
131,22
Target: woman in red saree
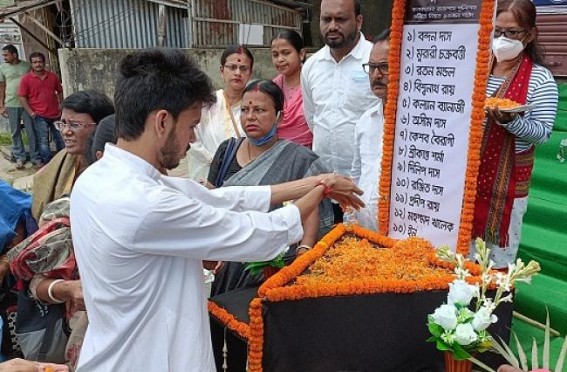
509,139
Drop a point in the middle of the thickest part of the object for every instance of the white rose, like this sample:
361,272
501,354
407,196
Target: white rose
483,318
446,317
461,293
465,334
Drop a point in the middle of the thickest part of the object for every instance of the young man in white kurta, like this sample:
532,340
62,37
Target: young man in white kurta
140,237
145,244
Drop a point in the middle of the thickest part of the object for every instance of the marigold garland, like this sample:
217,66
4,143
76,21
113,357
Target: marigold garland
351,265
477,118
341,264
256,336
226,318
396,34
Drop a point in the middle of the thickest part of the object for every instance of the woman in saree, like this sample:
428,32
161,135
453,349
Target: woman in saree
263,159
509,139
288,55
50,270
222,119
81,112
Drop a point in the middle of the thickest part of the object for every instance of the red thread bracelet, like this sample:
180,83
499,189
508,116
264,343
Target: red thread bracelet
327,191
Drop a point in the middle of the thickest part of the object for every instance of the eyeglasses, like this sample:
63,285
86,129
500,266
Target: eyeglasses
370,68
510,34
73,125
233,67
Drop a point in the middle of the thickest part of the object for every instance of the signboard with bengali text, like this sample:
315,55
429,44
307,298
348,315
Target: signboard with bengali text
438,61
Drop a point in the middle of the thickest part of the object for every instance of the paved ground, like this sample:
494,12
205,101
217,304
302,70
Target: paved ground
23,179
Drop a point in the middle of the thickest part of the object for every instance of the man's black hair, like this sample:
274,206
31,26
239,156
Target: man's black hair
382,36
357,6
104,133
157,79
37,55
11,49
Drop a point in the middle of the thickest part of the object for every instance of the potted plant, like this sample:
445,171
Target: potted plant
459,326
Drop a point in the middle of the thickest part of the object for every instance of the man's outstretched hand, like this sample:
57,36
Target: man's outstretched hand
343,190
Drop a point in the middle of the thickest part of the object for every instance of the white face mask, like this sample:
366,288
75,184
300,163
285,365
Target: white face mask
505,49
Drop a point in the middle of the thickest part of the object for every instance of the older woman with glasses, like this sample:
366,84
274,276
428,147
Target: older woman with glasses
507,153
81,111
221,120
46,265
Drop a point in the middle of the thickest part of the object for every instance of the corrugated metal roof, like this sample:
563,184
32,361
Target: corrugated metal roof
172,3
191,23
125,24
216,23
24,6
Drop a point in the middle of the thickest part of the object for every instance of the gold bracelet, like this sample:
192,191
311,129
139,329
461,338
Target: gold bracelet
304,246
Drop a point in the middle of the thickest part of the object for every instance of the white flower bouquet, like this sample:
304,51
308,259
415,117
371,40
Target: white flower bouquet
460,325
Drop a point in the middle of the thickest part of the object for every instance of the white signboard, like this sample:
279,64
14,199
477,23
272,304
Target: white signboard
432,124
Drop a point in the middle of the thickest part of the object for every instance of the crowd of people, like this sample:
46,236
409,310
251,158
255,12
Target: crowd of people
272,166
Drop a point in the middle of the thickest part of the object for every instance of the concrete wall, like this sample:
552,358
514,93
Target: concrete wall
96,68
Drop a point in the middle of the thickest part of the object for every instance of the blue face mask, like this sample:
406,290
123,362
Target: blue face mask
265,139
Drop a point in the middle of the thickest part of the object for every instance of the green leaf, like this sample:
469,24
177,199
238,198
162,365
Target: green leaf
279,263
459,352
521,353
481,364
546,341
441,345
499,349
535,362
561,359
254,265
255,268
510,352
435,329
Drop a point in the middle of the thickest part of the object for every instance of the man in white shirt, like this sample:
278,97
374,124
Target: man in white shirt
368,134
335,88
140,236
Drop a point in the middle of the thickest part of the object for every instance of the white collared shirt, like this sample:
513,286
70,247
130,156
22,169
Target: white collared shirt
366,163
335,95
139,239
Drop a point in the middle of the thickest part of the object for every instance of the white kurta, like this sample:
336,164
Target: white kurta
139,240
215,127
366,163
335,95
